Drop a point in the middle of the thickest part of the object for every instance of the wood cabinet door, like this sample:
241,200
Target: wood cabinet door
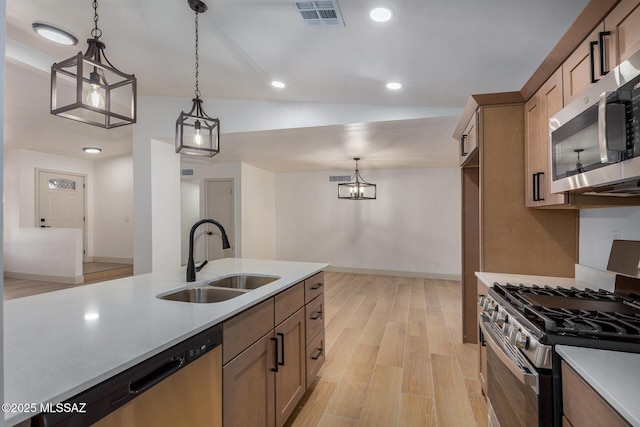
532,149
248,397
291,376
576,70
551,102
624,24
469,141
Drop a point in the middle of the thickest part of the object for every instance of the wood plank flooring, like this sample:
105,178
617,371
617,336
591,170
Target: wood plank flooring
94,272
394,357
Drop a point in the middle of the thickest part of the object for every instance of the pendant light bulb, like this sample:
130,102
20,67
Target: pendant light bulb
197,137
95,98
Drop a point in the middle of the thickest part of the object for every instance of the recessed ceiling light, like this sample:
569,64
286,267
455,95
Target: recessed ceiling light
380,14
278,84
54,34
394,85
92,150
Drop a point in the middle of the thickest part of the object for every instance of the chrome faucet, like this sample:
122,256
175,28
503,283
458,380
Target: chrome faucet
191,266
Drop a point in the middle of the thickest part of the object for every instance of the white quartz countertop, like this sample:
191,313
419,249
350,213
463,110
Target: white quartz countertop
60,343
614,375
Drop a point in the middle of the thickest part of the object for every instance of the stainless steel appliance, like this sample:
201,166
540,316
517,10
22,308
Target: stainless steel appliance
520,326
179,386
595,140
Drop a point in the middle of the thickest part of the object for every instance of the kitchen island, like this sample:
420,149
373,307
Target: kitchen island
61,343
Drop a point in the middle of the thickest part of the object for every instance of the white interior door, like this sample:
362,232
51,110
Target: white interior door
60,201
219,199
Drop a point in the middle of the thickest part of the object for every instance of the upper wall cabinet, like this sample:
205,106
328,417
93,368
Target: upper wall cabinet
469,139
586,64
610,43
537,112
623,23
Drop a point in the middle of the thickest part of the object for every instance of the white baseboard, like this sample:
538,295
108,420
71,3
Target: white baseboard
69,280
112,260
418,274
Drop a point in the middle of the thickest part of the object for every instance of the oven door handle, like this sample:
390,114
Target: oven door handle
524,376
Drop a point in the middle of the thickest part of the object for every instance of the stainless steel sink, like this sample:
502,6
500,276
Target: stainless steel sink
242,281
203,294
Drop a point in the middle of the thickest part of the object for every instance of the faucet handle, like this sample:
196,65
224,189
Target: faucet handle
198,268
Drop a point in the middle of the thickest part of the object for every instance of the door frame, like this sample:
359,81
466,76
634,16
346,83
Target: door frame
205,207
85,255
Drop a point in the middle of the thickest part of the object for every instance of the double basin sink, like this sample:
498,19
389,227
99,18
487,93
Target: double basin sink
219,290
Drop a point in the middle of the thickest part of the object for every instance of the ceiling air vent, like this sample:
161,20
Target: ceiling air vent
186,172
319,13
339,178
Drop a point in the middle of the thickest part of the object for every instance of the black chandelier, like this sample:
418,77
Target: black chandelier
357,188
197,134
88,90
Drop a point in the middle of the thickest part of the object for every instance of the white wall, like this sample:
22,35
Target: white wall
165,207
412,228
113,208
599,227
258,213
189,215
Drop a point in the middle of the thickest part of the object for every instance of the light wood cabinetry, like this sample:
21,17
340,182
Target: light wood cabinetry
537,112
623,23
615,39
267,365
584,67
582,405
499,233
469,140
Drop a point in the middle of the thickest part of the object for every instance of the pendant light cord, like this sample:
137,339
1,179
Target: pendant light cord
197,91
96,32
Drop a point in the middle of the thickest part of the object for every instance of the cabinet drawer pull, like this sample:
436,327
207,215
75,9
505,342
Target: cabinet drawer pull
592,65
317,315
275,369
318,354
316,286
281,335
603,65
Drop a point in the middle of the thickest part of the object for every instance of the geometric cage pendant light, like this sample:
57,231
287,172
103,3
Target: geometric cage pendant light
197,134
89,89
357,188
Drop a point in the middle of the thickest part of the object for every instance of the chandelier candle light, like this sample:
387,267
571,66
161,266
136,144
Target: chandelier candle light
88,90
197,134
357,188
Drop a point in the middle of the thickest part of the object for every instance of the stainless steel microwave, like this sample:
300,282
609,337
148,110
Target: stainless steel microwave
595,140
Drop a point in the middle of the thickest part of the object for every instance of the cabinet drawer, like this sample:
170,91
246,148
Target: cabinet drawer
241,331
315,357
582,405
288,302
314,312
313,287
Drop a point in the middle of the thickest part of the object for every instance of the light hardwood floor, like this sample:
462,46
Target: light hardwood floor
394,357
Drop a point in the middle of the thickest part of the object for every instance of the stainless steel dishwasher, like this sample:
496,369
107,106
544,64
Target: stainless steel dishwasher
179,386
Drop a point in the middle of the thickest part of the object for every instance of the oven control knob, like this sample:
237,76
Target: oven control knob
521,340
482,301
500,317
506,330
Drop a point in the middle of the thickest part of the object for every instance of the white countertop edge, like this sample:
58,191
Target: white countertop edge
489,278
217,269
613,374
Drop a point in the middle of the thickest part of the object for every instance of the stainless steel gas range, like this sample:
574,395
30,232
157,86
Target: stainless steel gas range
520,326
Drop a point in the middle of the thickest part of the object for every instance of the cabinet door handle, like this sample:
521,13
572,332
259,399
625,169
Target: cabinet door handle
317,315
601,47
281,335
318,354
463,139
316,286
534,192
275,369
592,65
539,174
